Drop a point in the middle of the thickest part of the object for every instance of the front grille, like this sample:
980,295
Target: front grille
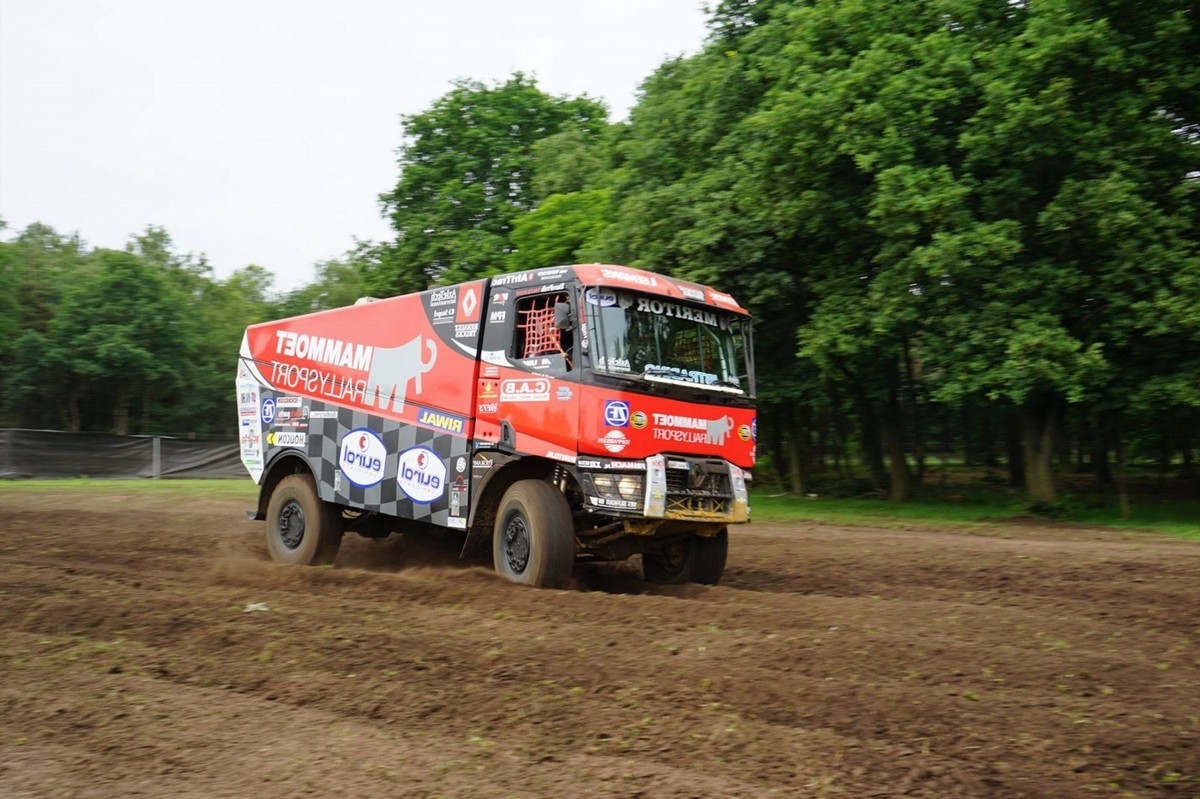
701,489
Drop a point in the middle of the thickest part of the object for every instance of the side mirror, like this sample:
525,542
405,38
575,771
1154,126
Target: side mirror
563,318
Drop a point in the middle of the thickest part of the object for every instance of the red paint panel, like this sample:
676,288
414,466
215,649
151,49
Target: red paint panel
381,357
620,424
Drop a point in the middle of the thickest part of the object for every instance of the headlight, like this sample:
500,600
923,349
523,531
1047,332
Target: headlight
627,487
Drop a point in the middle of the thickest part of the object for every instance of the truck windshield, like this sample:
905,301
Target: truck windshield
660,340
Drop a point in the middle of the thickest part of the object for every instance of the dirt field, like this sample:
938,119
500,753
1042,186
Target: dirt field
1012,662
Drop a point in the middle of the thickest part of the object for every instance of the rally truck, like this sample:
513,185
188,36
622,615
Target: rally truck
559,415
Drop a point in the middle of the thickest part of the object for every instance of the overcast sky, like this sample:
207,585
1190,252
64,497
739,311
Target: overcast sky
263,131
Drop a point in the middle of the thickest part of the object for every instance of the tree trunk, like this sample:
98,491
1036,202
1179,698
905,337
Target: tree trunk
1016,455
1122,485
872,451
900,484
918,428
798,451
1038,440
1102,435
121,410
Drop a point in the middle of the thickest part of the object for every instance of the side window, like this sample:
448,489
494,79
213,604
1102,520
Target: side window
538,344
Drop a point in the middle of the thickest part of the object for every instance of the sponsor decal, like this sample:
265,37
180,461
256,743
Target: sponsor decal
691,292
614,441
610,502
551,273
389,370
443,316
322,415
678,373
250,440
460,465
490,371
485,408
442,421
499,297
626,276
563,393
512,280
482,462
458,496
362,456
268,411
494,356
638,420
469,330
248,402
320,349
421,475
537,363
616,413
457,522
744,432
720,298
754,428
442,297
613,364
617,466
690,430
602,297
552,287
496,317
489,389
671,309
560,456
287,439
535,389
289,402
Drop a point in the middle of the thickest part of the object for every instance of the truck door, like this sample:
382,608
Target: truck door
529,375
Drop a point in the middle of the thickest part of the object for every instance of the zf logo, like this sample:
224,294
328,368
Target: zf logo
268,410
616,413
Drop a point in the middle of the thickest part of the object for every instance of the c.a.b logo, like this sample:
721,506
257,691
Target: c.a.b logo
616,413
268,410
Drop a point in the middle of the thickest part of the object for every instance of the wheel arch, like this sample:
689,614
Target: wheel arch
490,493
284,464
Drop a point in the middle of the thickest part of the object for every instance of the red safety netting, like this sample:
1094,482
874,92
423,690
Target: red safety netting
537,323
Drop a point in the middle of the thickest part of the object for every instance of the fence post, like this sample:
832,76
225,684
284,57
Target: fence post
156,460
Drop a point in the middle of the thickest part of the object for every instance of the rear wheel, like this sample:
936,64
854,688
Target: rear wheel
694,559
534,539
301,529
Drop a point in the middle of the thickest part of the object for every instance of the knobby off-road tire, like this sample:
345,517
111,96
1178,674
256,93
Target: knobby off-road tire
533,542
694,559
301,529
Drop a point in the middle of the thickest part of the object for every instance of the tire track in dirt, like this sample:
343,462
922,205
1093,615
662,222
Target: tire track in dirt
878,663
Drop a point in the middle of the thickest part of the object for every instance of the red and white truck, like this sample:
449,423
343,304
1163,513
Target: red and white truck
588,412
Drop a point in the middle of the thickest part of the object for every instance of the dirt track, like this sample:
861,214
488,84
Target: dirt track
1014,662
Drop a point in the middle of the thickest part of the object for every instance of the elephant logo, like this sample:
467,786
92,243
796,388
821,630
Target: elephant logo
717,430
394,368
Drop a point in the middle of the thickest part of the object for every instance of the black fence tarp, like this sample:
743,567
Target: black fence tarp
52,453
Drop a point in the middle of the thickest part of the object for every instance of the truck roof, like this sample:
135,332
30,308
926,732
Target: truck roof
616,276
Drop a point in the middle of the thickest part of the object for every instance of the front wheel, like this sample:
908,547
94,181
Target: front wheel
301,529
694,559
534,539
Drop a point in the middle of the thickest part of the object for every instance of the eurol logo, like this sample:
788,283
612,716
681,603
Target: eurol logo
362,456
421,475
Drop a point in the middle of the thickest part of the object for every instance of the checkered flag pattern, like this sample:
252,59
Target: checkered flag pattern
386,497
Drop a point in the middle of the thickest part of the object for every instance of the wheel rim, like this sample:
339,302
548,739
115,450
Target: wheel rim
291,524
516,543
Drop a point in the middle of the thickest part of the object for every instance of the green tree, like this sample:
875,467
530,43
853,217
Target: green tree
466,167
